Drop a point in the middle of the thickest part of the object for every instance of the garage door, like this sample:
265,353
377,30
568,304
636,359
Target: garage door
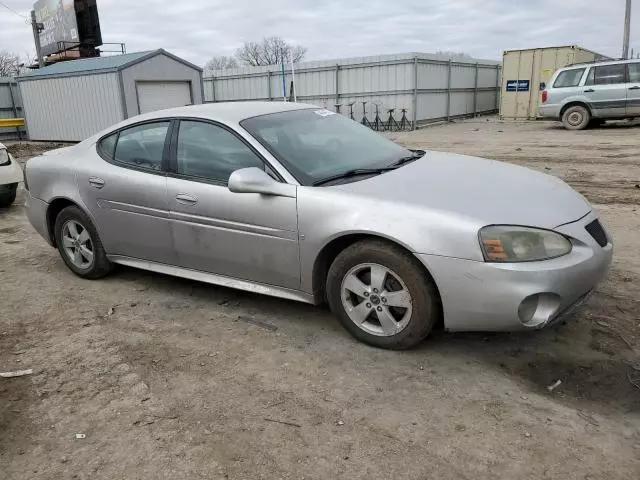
158,95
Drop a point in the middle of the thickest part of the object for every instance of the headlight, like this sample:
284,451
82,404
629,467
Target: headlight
507,243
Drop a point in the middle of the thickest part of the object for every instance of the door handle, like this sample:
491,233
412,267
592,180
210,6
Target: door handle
96,182
185,199
589,90
635,87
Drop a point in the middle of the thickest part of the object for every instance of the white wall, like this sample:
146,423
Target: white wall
71,108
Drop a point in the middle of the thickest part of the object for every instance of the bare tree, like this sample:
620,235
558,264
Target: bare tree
220,62
270,51
9,64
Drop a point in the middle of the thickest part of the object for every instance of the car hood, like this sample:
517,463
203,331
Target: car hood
488,191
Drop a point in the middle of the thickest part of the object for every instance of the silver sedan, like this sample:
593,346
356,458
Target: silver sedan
295,201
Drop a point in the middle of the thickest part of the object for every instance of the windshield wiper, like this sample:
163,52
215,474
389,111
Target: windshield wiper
354,173
415,155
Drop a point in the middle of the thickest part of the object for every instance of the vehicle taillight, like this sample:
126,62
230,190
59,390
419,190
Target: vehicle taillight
544,96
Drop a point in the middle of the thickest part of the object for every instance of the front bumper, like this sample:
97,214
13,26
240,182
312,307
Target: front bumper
482,296
37,214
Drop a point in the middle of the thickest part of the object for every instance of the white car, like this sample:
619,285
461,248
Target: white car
10,176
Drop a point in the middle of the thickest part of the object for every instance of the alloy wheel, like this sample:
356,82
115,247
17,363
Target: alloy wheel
76,242
376,299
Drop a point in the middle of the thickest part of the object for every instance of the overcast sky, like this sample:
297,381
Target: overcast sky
199,29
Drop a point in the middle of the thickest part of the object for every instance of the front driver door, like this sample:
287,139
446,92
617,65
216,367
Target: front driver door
242,235
124,186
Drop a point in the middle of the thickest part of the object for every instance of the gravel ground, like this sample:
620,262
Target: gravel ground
169,378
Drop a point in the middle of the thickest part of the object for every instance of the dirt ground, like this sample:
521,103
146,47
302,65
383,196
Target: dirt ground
175,379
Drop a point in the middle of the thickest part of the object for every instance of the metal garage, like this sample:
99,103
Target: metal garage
70,101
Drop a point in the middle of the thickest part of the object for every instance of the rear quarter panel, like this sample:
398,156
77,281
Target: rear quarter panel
52,176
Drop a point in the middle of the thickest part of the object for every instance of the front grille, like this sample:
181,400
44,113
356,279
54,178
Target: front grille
597,232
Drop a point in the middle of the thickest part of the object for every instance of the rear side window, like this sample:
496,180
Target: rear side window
141,146
634,72
607,75
569,78
108,145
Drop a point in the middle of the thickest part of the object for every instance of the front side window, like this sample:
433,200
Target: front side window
141,146
569,78
315,144
606,75
634,72
210,152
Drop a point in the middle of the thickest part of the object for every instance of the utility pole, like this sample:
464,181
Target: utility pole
627,30
37,28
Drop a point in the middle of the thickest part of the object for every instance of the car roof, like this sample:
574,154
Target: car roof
226,112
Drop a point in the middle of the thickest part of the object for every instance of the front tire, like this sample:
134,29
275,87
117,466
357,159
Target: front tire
7,198
79,245
576,117
381,295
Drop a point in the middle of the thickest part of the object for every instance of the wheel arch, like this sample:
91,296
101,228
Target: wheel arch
574,103
332,249
53,210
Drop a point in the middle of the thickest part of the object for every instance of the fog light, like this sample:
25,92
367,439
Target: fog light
539,309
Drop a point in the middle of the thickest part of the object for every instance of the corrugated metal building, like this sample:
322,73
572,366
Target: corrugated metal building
525,74
429,87
72,100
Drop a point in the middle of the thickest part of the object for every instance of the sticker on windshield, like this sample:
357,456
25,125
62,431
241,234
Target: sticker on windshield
324,113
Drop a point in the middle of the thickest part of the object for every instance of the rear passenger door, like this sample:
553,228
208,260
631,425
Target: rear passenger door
606,90
633,90
124,186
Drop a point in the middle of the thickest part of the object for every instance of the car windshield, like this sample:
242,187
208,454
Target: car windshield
317,144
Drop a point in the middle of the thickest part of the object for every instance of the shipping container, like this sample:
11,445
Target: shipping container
525,74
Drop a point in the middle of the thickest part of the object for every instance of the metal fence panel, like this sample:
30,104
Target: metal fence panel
10,107
488,77
432,75
436,87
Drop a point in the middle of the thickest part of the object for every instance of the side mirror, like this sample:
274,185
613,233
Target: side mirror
254,180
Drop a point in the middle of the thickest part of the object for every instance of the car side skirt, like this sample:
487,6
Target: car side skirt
214,279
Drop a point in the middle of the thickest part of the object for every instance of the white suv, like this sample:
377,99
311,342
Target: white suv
592,93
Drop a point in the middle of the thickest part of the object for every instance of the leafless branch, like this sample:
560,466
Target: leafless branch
271,51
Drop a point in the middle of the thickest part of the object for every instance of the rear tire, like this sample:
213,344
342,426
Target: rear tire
79,245
576,117
396,304
7,198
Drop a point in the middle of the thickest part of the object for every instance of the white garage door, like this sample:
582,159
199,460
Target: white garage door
158,95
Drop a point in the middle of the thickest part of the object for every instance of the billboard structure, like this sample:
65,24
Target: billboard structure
68,24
